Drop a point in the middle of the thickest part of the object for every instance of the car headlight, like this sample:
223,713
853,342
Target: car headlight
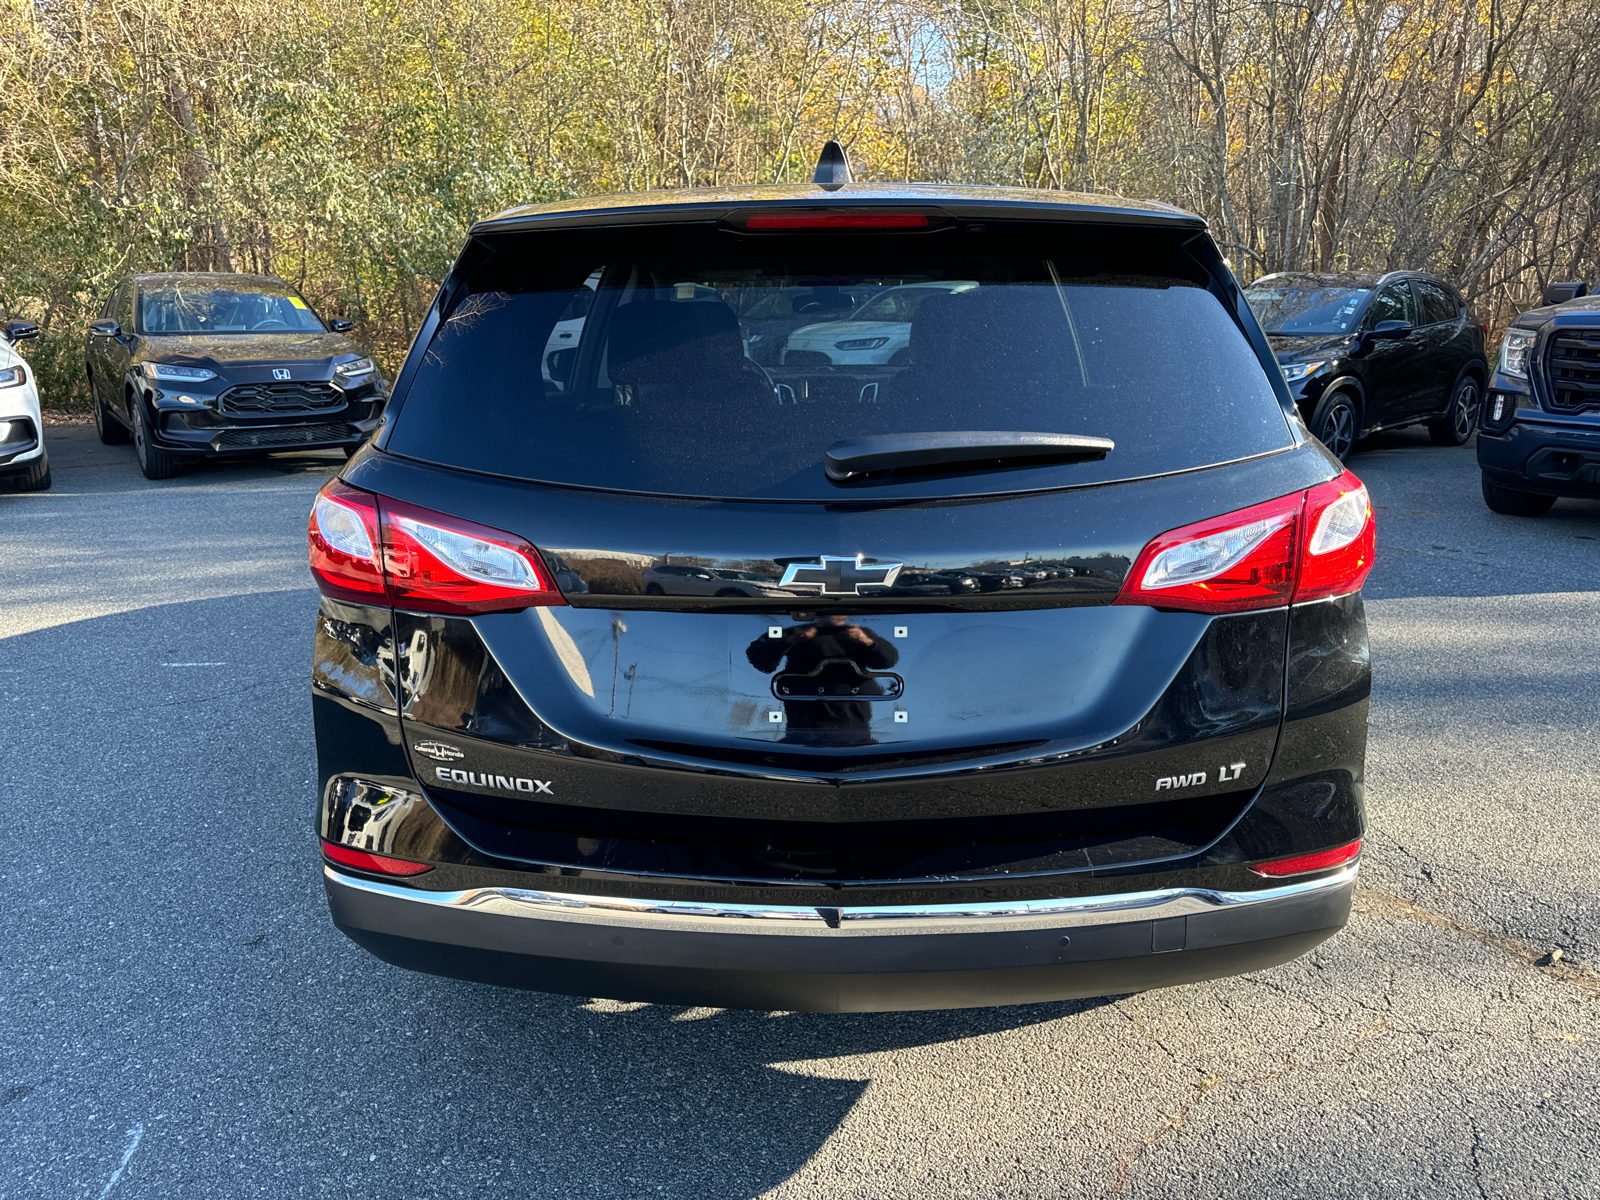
171,373
1514,352
14,376
349,372
1295,372
861,344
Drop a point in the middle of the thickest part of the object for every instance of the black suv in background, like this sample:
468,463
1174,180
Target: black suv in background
1540,434
1369,352
830,766
197,365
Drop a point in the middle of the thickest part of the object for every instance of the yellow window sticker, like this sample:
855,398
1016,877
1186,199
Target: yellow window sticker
297,302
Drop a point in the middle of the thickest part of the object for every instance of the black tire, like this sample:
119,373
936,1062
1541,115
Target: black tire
1513,503
654,589
155,462
112,431
36,478
1335,423
731,593
1456,426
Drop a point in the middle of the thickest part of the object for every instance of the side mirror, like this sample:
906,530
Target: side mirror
21,331
104,329
1389,331
560,364
1560,293
341,325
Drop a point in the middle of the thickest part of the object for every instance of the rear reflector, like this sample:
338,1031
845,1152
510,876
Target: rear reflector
376,863
1304,546
371,549
1305,864
838,220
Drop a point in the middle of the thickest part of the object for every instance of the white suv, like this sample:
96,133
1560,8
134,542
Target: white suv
24,465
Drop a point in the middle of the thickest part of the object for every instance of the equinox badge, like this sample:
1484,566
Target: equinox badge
840,576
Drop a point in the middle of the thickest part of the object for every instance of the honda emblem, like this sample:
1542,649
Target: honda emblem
280,372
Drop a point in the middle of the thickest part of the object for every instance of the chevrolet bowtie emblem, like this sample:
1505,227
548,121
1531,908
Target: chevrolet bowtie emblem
840,576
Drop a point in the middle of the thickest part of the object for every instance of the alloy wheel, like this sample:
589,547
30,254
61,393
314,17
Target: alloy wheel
1466,409
1338,429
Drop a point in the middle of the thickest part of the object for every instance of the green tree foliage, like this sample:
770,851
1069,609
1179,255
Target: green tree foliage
347,145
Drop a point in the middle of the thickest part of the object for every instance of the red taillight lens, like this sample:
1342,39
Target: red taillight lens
370,549
1240,561
1341,539
838,220
1304,546
377,863
441,564
344,544
1305,864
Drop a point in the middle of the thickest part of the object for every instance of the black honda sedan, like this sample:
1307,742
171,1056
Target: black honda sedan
198,365
1368,352
845,790
1540,437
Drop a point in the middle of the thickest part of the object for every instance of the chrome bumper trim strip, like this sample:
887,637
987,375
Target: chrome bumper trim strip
835,922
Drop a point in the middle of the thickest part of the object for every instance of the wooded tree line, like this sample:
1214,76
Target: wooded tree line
347,144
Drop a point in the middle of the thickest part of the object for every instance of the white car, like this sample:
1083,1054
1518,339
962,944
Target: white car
873,334
24,465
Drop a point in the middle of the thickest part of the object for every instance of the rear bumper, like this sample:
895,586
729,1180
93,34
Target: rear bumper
844,960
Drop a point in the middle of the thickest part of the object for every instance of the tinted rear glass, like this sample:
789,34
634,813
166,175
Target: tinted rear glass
710,363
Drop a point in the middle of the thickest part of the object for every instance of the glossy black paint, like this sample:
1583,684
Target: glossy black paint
1063,836
245,408
1058,548
1547,440
1396,381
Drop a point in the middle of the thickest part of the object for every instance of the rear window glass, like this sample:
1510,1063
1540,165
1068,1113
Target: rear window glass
710,363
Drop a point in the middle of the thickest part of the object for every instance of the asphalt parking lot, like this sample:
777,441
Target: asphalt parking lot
179,1019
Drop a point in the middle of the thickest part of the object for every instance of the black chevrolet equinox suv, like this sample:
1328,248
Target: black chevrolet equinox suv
1046,675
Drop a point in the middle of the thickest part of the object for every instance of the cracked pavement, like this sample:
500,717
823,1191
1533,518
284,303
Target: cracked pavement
167,965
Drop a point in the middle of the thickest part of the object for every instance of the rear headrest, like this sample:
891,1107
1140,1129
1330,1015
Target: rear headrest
659,341
1003,331
938,319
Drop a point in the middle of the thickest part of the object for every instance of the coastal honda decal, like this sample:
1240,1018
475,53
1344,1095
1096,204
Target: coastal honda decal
503,782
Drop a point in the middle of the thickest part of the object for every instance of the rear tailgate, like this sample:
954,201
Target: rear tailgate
1004,716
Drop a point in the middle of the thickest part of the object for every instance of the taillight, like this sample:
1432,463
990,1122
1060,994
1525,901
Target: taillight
1240,561
378,864
1305,864
1304,546
1341,539
370,548
344,544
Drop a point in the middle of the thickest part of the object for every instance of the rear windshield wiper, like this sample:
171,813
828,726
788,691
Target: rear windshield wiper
966,450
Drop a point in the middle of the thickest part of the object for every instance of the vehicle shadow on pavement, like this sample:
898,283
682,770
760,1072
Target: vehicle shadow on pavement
720,1104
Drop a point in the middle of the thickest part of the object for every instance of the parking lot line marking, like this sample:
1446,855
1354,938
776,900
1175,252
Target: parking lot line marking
134,1135
215,664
